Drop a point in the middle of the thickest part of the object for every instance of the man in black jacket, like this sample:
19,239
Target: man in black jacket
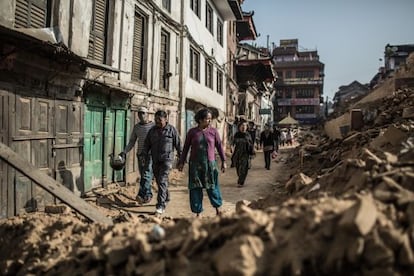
161,141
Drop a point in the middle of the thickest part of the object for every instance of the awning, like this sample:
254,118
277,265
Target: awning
45,42
289,120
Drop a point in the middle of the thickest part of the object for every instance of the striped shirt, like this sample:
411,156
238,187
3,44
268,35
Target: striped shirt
139,133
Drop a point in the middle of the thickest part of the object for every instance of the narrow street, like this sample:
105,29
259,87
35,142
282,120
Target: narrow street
259,183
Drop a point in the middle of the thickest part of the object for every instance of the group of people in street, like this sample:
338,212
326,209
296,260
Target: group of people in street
157,141
155,153
285,137
244,144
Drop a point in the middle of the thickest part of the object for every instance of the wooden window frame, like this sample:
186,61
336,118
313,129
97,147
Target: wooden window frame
140,74
25,11
96,34
195,7
166,4
209,18
194,64
219,82
220,32
305,109
164,60
305,74
305,93
209,74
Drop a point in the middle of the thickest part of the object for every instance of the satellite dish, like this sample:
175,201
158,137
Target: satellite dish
394,49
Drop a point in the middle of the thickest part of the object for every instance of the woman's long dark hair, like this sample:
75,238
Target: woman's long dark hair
202,114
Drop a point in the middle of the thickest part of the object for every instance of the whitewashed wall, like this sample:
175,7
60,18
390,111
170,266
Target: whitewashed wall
196,27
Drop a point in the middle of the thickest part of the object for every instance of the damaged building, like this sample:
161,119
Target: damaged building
73,74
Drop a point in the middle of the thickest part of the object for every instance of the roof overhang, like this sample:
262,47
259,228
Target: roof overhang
235,6
246,30
45,42
224,9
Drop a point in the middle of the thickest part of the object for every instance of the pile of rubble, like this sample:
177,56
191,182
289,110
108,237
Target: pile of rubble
348,209
372,173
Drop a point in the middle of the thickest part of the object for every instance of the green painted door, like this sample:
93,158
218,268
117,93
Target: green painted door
93,147
114,141
119,139
109,144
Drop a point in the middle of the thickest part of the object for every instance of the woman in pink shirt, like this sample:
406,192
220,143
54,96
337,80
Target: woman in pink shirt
203,171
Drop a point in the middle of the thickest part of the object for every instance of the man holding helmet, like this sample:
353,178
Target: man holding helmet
139,133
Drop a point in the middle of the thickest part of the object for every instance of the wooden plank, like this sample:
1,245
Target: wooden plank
52,186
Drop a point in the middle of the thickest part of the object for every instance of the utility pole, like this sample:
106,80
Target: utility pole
181,105
267,42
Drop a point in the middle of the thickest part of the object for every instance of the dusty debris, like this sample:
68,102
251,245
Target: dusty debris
297,182
57,209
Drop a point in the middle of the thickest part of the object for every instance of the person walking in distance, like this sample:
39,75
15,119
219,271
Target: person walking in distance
276,136
267,143
282,138
243,150
160,143
289,137
252,131
138,135
203,171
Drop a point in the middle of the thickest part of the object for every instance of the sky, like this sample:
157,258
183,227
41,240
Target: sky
349,35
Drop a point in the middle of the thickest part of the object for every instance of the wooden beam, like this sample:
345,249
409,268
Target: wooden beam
52,186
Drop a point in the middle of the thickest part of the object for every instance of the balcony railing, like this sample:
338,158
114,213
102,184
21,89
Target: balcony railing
298,101
300,81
